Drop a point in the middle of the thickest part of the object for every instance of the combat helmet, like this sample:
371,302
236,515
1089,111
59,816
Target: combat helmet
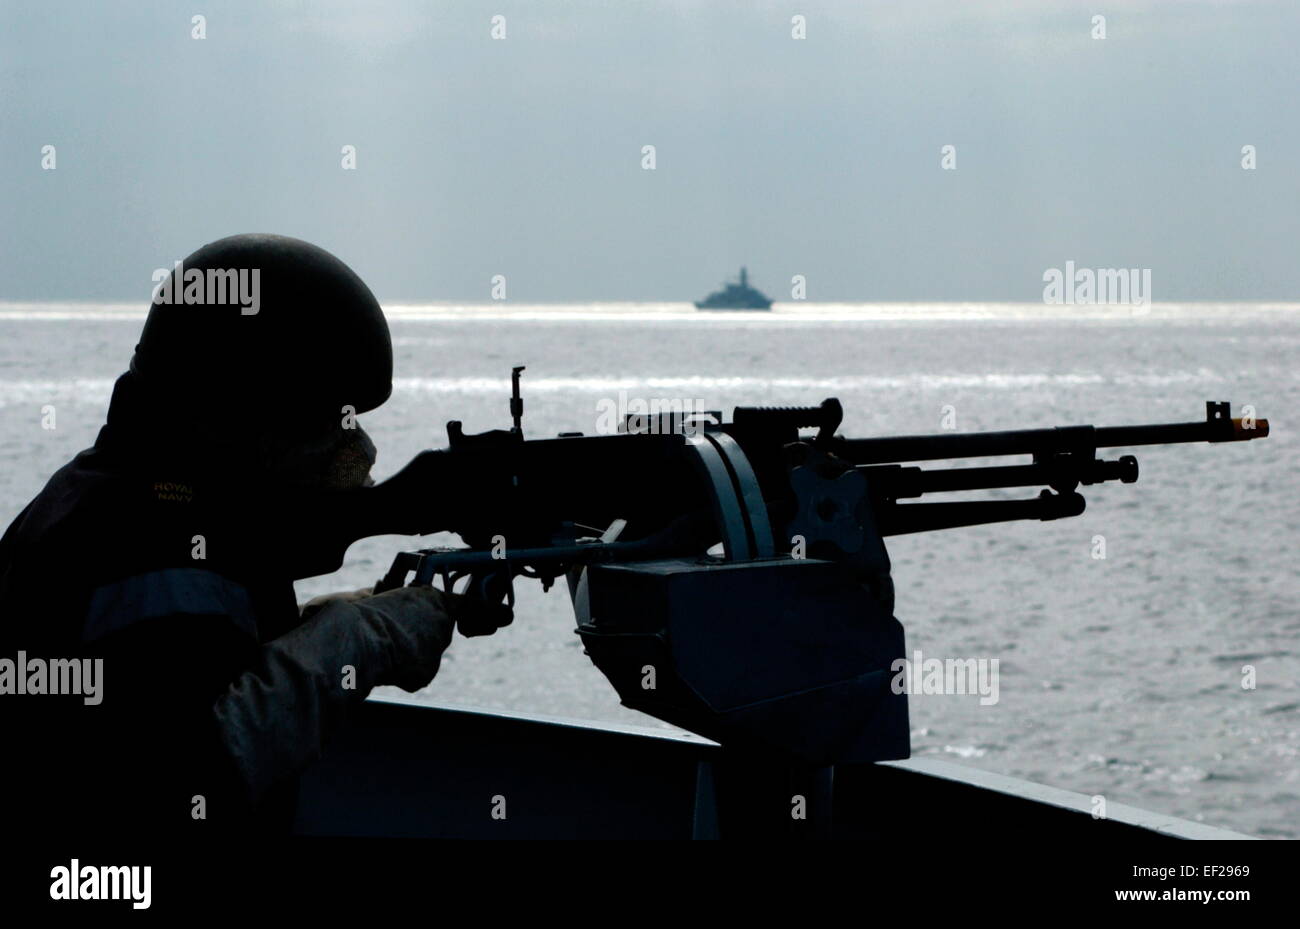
266,326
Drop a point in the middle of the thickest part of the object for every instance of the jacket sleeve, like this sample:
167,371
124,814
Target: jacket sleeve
220,722
275,718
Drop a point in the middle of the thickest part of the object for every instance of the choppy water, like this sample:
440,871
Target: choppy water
1119,677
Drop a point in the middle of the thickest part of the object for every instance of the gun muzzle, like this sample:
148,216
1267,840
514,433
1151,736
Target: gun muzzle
1243,430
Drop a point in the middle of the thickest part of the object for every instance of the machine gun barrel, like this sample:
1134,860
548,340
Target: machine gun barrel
1218,427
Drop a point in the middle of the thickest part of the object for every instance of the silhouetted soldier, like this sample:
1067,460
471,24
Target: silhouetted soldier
230,466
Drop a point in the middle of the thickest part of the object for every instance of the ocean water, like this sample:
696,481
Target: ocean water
1120,677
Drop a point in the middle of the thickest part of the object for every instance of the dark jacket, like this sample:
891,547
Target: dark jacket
103,564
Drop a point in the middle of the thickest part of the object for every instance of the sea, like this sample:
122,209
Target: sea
1164,675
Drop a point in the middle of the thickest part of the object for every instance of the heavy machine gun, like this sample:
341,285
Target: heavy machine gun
731,577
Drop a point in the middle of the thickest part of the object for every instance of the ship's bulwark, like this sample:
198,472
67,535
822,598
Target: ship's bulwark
422,771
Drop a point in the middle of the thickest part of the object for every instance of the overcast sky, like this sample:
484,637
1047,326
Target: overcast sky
523,156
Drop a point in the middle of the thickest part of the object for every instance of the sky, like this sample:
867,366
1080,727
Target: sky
822,157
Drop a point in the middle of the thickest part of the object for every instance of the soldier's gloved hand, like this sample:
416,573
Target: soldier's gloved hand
412,627
275,718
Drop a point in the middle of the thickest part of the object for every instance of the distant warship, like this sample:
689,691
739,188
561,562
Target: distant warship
736,297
